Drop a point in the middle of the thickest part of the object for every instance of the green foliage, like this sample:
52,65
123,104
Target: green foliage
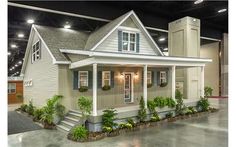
131,121
163,84
60,110
169,115
106,87
125,125
38,114
85,105
160,101
151,105
30,108
203,104
79,132
208,91
83,88
23,107
180,103
154,118
192,109
142,114
107,129
108,117
170,102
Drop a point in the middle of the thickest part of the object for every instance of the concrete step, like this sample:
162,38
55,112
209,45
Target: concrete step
63,128
64,122
75,114
75,111
71,119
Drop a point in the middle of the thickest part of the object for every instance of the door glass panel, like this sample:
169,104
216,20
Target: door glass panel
127,88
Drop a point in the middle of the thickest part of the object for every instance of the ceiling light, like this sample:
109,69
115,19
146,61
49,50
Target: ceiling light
16,65
162,39
9,53
13,46
67,26
198,2
21,35
13,67
20,62
222,10
10,69
165,49
30,21
194,20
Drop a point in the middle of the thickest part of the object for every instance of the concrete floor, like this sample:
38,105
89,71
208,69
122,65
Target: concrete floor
207,131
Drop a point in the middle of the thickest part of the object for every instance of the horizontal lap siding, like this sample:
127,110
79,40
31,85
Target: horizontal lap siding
44,76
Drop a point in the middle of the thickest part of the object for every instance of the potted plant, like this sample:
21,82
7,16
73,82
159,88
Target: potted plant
108,124
83,88
164,84
106,87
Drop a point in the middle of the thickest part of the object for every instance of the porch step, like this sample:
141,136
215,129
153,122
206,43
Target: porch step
75,111
68,123
75,114
63,128
72,119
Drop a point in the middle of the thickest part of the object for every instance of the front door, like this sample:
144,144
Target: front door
128,87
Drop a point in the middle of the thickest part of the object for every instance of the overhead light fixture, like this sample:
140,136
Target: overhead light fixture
9,53
198,2
162,39
222,10
165,49
20,35
67,26
16,65
30,21
20,62
13,46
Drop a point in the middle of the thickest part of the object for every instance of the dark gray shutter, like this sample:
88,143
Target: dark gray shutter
90,79
137,42
152,77
75,80
112,79
119,40
99,79
142,77
167,76
40,50
158,78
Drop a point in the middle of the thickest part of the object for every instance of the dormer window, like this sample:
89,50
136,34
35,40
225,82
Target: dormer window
36,51
128,41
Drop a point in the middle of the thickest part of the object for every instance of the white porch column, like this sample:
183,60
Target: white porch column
202,81
173,82
145,85
94,89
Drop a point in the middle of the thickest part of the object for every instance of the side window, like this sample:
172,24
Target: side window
11,88
36,51
106,78
83,78
149,77
163,77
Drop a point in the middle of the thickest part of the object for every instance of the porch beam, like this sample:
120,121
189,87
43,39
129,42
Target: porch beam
173,82
202,81
94,89
145,85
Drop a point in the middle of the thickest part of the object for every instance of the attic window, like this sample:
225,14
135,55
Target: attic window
129,41
36,51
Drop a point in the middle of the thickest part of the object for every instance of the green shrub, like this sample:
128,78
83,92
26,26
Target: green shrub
38,114
180,103
107,129
160,102
131,121
122,125
203,104
125,125
83,88
187,111
23,107
208,91
60,110
142,114
192,109
151,106
106,87
170,102
108,117
30,108
154,118
85,105
169,115
79,132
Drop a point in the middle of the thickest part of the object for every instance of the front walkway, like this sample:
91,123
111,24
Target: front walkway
211,131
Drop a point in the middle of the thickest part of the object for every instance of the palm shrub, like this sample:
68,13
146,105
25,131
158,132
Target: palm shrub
30,108
79,133
85,105
60,110
131,121
208,91
180,103
38,114
151,107
108,117
23,107
142,114
203,104
170,102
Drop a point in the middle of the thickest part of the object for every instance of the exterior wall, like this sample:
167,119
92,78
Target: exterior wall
211,50
12,99
44,77
113,97
224,66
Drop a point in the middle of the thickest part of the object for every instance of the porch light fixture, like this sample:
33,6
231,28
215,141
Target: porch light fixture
198,2
21,35
121,75
67,25
13,46
165,49
20,62
30,21
9,53
222,10
16,65
136,75
162,39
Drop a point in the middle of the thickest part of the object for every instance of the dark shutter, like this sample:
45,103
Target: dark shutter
99,79
152,77
137,42
158,78
112,79
167,76
119,40
40,50
75,80
142,77
90,79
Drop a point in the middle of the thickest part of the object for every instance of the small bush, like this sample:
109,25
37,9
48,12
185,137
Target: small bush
180,103
203,104
106,87
83,88
125,125
60,110
192,109
23,107
170,102
208,91
107,129
108,117
30,108
79,132
169,115
154,119
160,102
38,114
85,105
131,121
142,114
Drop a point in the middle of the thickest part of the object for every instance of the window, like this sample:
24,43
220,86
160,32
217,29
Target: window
36,51
128,41
163,77
11,88
83,78
149,77
106,78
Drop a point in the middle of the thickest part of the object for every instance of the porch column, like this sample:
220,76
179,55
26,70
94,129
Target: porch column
173,82
145,85
94,89
202,81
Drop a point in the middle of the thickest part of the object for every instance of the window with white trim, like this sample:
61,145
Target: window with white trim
83,78
163,77
149,77
128,41
36,51
106,78
11,88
